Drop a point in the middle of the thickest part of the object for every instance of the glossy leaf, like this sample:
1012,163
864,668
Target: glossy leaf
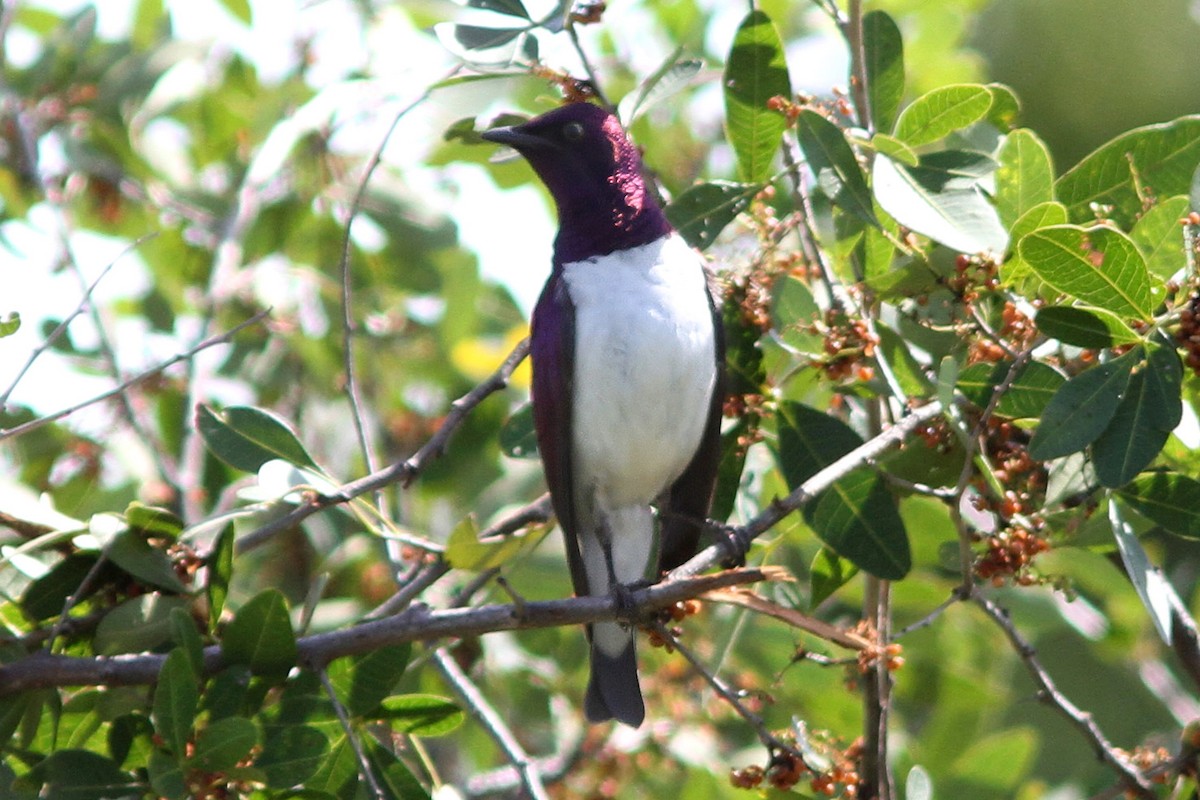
857,517
137,625
187,638
755,72
1092,328
222,744
153,521
947,207
1082,408
808,440
1138,430
47,595
883,50
246,438
1027,396
1025,178
828,573
1100,266
518,439
338,773
937,114
260,635
395,779
1160,237
362,682
833,162
465,550
1014,271
704,210
137,557
290,754
422,714
1152,588
1160,156
176,698
895,149
1167,498
220,571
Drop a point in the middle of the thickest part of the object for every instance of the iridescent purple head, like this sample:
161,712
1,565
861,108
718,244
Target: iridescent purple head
593,171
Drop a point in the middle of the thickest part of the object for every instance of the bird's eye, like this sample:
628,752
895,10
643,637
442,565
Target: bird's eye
573,132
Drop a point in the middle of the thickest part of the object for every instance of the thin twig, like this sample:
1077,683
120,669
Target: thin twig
364,764
1133,779
418,623
402,472
495,726
187,355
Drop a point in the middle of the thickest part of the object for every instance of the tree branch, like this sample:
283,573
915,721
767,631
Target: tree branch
418,623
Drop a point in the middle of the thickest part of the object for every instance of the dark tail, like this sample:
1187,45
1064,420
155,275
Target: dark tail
613,690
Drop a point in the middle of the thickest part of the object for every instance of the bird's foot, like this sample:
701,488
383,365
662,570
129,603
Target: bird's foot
622,594
735,542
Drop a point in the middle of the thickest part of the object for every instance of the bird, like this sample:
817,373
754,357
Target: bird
627,350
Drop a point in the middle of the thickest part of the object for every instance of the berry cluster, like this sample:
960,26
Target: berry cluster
1188,334
1009,554
787,768
847,342
676,613
972,274
889,655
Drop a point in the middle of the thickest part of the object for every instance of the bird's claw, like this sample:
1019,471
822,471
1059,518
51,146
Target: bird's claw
735,544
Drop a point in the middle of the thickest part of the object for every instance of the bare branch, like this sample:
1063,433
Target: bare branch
418,623
482,710
212,341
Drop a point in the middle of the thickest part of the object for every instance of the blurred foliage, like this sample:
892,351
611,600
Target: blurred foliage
942,255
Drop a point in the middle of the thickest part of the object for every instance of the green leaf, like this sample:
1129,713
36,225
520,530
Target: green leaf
1156,594
828,573
166,775
362,682
10,324
755,72
1160,237
729,469
1167,498
261,637
704,210
220,571
80,775
1133,438
937,114
338,773
996,764
1027,396
394,777
1092,328
239,9
290,754
808,440
1025,178
175,701
150,21
186,638
1014,271
153,521
895,149
46,596
1082,408
1161,157
947,206
883,50
1100,266
857,517
905,367
149,564
246,438
422,714
222,744
137,625
518,439
465,550
672,76
512,8
833,162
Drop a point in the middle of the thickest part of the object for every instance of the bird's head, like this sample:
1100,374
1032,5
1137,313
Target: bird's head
594,172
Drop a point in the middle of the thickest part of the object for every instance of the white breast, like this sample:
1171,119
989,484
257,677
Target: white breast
644,369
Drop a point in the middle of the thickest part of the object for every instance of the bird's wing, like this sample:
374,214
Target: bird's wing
690,497
553,354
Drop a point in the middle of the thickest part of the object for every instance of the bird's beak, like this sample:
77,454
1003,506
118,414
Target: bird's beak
514,137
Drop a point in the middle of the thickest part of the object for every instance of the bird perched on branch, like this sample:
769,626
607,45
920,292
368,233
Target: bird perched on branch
628,358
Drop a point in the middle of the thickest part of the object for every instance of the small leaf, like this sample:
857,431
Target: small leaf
1028,395
46,596
10,324
136,625
186,638
1100,266
808,440
246,438
729,470
220,571
939,113
704,210
362,682
1168,499
239,9
151,565
153,521
1162,157
80,775
1155,593
518,439
1093,328
465,550
949,209
422,714
261,637
755,72
338,773
512,8
833,162
1133,438
672,76
1160,237
883,49
394,777
166,775
290,754
895,149
857,517
222,744
1025,178
828,573
1082,408
918,785
176,698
